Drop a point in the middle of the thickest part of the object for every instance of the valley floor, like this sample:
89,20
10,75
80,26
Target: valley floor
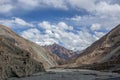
71,74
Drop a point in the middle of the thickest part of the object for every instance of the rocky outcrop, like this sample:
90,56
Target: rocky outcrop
16,62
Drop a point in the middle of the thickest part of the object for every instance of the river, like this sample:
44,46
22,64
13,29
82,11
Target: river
71,74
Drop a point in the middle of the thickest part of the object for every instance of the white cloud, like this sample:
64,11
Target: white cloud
22,22
98,35
82,4
57,33
95,26
101,22
10,6
29,3
16,23
35,35
75,18
32,4
61,26
45,25
54,3
64,26
99,11
104,8
5,6
32,34
97,7
60,33
101,8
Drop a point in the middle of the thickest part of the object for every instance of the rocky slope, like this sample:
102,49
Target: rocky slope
62,54
103,54
20,57
38,53
15,61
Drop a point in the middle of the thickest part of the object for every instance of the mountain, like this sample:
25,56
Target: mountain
63,54
103,54
16,62
20,57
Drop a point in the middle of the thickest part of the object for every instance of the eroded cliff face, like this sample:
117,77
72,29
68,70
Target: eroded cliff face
104,53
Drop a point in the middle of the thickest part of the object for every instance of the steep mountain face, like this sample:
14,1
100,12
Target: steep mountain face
38,53
16,62
20,57
103,54
62,54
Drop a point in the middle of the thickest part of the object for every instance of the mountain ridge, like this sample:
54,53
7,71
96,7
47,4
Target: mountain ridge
63,54
103,54
20,57
37,52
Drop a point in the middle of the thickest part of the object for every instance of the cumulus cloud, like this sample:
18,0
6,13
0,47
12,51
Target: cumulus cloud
46,33
107,9
98,35
95,26
10,6
75,18
54,3
6,6
46,25
95,22
22,22
82,4
61,26
29,3
61,33
103,7
36,36
97,7
16,23
102,14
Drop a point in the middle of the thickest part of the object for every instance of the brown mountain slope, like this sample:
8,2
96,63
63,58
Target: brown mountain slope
20,57
103,54
38,53
15,61
62,54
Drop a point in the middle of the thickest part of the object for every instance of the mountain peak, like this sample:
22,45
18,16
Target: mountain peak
62,53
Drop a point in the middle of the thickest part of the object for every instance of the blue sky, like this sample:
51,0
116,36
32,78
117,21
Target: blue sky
74,24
